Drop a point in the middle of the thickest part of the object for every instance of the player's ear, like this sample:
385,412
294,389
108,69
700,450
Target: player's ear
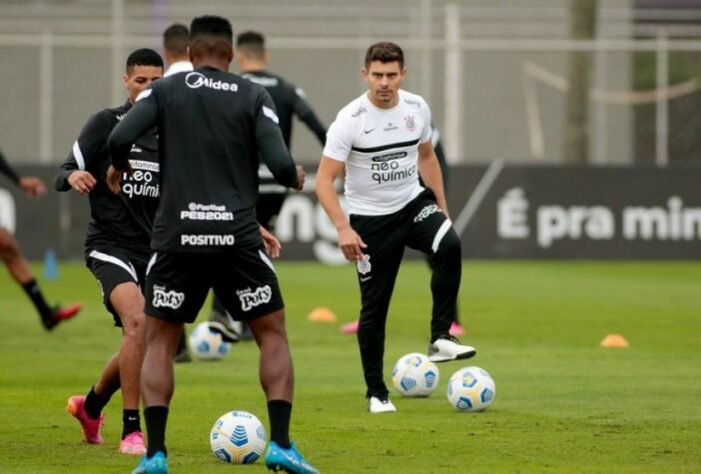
364,73
125,81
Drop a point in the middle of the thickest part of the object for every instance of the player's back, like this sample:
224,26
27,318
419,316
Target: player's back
207,136
208,153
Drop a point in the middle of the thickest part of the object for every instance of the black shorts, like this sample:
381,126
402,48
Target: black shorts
114,265
244,281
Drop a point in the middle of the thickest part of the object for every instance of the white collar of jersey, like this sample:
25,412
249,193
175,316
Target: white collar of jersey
179,66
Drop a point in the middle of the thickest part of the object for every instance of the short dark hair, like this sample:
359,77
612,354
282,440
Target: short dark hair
252,42
144,57
211,26
176,39
385,52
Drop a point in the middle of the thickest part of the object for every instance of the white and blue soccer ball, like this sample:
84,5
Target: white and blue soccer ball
238,437
471,389
415,376
206,343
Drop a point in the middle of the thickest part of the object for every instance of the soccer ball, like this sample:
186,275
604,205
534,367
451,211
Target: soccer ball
415,376
471,389
238,437
206,343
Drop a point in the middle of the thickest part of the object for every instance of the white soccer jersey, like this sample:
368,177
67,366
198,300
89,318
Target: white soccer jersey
380,148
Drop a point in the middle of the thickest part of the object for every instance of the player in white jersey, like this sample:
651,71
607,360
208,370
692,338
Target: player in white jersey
383,140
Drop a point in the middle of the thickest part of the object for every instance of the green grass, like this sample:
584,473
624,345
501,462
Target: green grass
563,404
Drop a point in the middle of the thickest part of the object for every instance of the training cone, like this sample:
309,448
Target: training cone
322,315
614,340
50,265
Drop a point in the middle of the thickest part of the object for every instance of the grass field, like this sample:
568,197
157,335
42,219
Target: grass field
563,404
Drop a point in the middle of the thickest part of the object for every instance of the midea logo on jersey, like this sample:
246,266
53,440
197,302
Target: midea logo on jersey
195,80
167,299
250,299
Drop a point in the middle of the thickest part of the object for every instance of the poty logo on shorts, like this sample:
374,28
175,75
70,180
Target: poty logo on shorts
195,80
250,299
167,299
364,265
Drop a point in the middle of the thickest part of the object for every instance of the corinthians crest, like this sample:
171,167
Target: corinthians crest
364,265
410,123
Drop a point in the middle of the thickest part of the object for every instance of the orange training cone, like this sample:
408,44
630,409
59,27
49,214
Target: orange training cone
614,340
322,315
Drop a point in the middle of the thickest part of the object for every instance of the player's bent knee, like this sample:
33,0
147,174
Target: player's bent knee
449,246
134,325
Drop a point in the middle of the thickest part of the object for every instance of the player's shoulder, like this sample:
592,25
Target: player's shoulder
355,111
109,116
411,100
264,78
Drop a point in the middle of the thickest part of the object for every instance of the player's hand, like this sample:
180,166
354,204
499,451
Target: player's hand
351,244
300,178
32,186
82,181
271,243
113,175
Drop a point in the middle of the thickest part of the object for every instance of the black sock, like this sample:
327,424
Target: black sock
130,422
94,404
34,292
156,418
279,412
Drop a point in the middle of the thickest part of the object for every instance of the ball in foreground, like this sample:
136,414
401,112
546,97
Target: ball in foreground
238,437
471,389
207,343
415,376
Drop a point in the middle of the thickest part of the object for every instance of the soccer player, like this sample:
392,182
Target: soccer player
18,267
117,248
213,125
455,328
176,45
383,140
289,101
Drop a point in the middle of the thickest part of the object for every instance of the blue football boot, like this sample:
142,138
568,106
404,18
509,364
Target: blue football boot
156,464
288,460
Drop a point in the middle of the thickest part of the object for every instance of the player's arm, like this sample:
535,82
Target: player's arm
30,184
306,114
86,152
140,118
348,240
430,172
271,144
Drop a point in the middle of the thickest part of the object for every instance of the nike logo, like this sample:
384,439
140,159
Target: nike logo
368,131
131,419
364,279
